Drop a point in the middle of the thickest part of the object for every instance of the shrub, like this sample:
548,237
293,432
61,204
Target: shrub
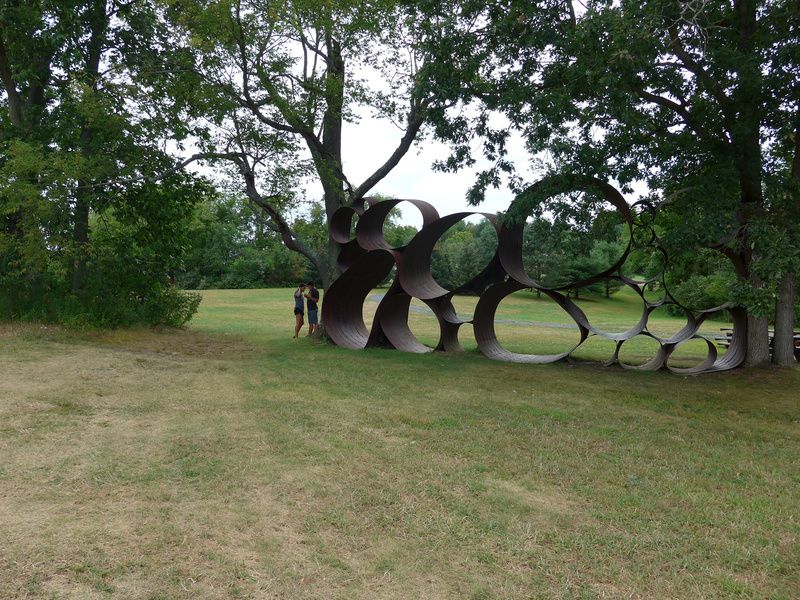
125,276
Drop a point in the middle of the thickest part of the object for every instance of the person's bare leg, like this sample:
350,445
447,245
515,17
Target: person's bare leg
298,324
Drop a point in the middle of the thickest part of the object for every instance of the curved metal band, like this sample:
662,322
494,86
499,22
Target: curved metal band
368,259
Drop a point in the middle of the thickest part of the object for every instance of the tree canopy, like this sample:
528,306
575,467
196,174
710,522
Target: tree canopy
82,132
698,100
107,104
273,82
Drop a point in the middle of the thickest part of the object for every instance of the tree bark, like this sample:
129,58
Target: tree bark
783,343
80,238
331,162
80,234
757,330
747,110
757,341
15,108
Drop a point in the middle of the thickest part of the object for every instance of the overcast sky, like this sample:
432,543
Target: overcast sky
367,144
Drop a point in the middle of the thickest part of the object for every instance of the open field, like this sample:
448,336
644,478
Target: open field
230,461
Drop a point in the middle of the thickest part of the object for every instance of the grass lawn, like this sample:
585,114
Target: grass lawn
539,326
230,461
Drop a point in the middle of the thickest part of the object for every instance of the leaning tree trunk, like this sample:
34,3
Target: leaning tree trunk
783,344
757,334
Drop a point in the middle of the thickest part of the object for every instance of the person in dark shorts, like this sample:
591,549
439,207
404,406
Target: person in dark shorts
312,298
299,294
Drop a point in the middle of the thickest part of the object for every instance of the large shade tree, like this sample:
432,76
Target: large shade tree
82,127
698,99
272,83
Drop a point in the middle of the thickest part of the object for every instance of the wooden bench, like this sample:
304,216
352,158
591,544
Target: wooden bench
724,340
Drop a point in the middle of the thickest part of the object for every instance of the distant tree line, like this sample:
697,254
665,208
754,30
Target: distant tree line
556,252
229,246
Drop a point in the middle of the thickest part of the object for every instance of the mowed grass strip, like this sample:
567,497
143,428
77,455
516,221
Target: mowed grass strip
231,461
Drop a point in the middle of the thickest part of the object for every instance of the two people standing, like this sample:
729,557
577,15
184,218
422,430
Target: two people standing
310,293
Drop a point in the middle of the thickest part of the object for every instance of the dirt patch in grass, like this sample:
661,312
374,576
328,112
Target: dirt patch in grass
168,341
15,330
176,342
549,500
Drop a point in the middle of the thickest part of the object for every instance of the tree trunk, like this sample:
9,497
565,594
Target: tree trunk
319,332
744,113
757,332
80,232
80,237
15,103
325,279
757,341
783,343
99,21
332,146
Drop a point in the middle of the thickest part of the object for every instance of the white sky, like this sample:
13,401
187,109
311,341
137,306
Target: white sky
368,143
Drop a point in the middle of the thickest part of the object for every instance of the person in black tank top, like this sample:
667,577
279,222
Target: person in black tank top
299,294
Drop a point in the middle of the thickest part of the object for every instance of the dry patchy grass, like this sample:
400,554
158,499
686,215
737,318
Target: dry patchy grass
230,461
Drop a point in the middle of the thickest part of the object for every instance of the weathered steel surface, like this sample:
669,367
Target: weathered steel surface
368,259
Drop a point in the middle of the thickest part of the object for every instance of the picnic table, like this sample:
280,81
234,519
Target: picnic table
724,340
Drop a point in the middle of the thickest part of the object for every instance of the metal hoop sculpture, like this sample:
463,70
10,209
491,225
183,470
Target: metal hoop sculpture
368,260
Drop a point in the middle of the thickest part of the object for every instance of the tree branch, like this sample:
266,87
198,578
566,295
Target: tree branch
291,125
693,66
278,223
683,112
571,12
274,220
160,176
416,117
232,156
14,101
306,44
